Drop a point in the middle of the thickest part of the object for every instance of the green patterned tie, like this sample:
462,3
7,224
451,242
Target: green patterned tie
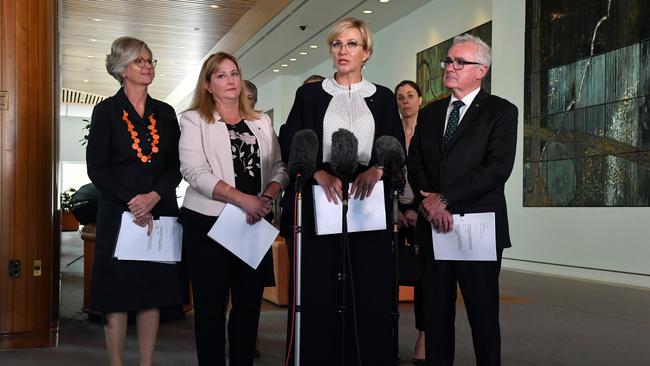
452,124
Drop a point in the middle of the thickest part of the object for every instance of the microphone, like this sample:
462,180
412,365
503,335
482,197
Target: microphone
390,155
302,157
344,153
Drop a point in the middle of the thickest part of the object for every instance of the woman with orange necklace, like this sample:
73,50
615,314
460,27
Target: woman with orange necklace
132,158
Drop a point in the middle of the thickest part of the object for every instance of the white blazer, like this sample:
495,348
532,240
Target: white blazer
206,158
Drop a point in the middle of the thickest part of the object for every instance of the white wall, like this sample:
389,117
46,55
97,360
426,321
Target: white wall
604,241
278,95
71,131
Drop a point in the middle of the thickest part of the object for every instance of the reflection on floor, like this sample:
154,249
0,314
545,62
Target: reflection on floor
545,321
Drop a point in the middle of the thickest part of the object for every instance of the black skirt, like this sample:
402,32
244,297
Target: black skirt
120,285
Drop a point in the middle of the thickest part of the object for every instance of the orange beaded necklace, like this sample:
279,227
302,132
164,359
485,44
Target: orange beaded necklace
136,141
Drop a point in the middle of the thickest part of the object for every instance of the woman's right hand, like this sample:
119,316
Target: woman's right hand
330,184
255,208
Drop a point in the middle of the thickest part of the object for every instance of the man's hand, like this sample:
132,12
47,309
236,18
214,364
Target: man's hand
431,205
443,222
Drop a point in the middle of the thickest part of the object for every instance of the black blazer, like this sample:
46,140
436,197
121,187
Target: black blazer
113,165
308,112
472,171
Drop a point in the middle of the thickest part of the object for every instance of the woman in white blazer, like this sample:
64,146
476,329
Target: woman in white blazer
229,153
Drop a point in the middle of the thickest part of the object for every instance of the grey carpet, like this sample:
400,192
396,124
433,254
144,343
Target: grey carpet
546,321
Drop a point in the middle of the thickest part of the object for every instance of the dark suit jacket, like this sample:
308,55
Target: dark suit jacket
472,171
308,111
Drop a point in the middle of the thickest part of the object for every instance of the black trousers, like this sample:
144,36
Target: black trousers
215,272
479,285
408,234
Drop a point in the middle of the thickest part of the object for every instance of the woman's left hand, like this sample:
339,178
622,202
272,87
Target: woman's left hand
145,220
364,183
142,204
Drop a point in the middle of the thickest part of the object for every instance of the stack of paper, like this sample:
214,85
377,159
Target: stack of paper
363,215
248,242
163,245
472,239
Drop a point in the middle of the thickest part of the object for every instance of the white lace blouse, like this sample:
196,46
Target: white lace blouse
348,110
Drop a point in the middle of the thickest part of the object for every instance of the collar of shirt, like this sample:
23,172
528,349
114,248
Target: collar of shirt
364,88
468,99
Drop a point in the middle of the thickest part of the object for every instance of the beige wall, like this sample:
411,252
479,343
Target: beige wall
605,241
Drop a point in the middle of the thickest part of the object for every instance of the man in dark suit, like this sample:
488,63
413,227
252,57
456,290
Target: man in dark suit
460,157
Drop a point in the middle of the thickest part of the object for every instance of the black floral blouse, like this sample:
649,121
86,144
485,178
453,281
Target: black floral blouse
245,158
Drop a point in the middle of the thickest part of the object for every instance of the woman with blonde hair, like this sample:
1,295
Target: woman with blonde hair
229,154
346,100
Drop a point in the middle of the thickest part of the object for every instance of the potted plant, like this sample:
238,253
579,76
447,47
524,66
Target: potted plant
68,221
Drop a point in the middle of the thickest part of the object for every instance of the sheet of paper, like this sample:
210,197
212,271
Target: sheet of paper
363,215
472,239
163,245
248,242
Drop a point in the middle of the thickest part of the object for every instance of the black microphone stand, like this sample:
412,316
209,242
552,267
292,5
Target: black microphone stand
397,184
298,257
342,274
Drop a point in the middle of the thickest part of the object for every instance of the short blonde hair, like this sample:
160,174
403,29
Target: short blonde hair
123,51
347,23
202,100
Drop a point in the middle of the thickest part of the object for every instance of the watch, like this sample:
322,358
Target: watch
443,199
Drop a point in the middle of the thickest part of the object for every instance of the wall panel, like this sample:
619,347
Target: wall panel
27,141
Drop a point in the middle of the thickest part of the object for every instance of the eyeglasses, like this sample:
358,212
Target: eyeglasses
349,45
457,64
142,63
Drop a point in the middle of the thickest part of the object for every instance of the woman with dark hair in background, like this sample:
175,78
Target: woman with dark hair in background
409,100
132,158
229,154
369,111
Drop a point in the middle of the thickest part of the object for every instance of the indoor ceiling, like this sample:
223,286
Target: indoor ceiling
264,35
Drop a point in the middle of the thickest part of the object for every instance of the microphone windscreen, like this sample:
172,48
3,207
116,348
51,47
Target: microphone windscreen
390,154
344,153
302,157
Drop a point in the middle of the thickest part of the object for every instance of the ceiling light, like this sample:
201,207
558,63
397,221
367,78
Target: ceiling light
313,46
97,20
90,56
162,75
292,59
214,6
303,53
384,1
92,40
276,70
284,65
85,81
367,11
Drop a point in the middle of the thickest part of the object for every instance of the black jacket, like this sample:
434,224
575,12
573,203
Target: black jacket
472,171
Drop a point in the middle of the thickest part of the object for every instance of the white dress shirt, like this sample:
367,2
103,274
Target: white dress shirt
468,99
